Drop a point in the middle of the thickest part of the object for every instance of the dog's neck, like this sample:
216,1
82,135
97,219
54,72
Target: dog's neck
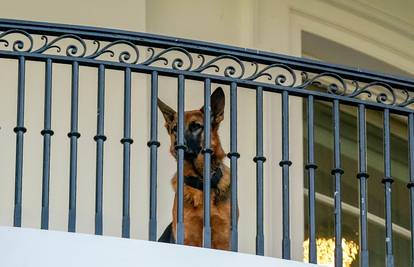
197,182
195,167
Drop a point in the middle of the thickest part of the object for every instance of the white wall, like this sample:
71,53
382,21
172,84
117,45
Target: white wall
35,248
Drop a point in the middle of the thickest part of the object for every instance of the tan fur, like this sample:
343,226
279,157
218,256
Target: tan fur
193,198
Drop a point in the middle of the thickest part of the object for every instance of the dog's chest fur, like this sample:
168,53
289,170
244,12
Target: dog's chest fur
194,210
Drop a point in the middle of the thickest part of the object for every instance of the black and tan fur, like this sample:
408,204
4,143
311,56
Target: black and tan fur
193,167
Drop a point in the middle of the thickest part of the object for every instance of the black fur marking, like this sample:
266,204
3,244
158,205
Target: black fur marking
167,236
193,142
197,182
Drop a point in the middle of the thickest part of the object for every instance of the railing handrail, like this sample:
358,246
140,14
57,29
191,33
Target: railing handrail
248,54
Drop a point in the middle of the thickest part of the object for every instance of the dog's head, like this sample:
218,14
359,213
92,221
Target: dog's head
194,128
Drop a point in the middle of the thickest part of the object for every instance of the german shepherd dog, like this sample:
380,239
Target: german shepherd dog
193,176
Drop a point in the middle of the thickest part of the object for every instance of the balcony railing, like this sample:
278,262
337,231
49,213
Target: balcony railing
186,60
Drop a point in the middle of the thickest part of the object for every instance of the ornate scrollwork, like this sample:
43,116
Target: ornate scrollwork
19,44
384,94
408,100
229,70
224,65
334,83
124,55
72,49
379,92
279,79
177,61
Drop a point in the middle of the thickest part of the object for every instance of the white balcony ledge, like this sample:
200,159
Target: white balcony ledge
37,248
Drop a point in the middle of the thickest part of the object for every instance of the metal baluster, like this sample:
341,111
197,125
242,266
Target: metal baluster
153,144
19,130
363,176
259,159
73,136
207,162
410,184
387,181
337,172
285,163
47,133
180,148
311,167
100,138
126,142
233,156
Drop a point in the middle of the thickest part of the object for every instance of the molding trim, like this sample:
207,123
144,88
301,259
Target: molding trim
375,15
358,35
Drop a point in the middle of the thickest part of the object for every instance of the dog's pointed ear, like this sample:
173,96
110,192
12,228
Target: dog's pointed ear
217,106
167,112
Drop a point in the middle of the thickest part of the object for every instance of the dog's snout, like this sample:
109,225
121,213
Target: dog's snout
193,144
192,141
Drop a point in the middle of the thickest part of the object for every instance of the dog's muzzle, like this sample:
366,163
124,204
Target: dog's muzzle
193,146
193,143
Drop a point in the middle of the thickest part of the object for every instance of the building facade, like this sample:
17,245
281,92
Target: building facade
368,34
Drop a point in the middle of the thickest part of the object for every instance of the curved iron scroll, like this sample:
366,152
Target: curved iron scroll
178,58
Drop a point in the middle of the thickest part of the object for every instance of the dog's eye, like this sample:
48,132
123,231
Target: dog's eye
174,129
194,126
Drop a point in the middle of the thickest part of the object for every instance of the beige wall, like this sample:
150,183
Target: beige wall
235,22
273,25
125,14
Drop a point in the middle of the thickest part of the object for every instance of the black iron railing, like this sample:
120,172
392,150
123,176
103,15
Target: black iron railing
192,60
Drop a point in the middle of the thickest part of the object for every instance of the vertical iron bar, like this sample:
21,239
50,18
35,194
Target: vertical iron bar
363,176
180,148
207,162
73,136
126,141
100,138
337,172
311,167
47,133
259,159
233,155
410,184
19,130
285,163
153,144
387,181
